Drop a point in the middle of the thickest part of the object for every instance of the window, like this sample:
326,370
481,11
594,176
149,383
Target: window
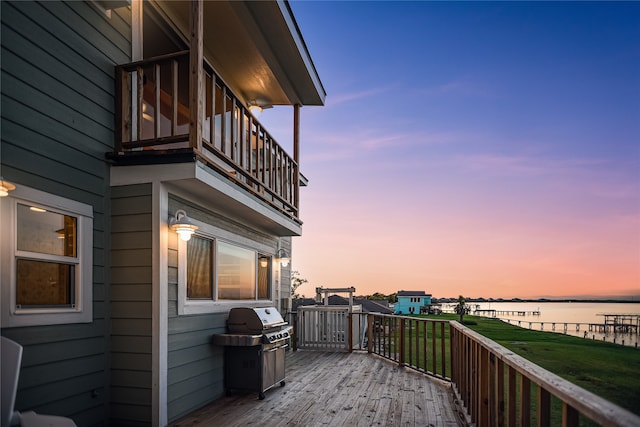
199,268
48,282
216,271
46,259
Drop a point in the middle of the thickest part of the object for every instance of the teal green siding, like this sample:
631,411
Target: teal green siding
57,124
131,305
195,366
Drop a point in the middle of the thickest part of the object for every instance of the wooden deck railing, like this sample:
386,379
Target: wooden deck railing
500,388
495,386
152,117
418,343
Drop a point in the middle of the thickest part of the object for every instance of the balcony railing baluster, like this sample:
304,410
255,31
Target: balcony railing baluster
138,112
174,100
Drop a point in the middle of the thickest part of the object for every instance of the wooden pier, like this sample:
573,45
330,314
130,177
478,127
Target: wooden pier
616,325
592,327
496,313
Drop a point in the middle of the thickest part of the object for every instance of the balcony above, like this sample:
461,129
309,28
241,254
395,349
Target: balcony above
192,105
153,127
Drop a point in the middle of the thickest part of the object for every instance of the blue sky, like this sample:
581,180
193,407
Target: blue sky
475,148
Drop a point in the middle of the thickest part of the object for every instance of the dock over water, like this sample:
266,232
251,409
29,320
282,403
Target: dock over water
496,313
619,328
617,325
620,323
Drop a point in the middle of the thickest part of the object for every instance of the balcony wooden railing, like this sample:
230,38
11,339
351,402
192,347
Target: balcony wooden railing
495,386
152,118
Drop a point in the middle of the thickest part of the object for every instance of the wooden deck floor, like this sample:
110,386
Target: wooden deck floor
337,389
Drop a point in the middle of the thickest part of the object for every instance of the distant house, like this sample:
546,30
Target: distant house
412,302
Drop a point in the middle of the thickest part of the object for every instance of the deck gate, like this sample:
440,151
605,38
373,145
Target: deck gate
325,328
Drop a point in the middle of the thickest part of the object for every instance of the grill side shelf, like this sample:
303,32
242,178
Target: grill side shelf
237,340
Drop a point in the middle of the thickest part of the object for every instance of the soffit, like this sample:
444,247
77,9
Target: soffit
199,183
257,48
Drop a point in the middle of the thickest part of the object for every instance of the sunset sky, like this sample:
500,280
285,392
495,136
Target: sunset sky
482,149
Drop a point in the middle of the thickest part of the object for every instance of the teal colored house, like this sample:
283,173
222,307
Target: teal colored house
412,302
119,119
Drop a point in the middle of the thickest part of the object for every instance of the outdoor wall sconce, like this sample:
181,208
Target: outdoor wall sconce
264,261
284,257
182,225
255,108
5,187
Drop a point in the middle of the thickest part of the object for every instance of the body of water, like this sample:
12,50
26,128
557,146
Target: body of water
571,318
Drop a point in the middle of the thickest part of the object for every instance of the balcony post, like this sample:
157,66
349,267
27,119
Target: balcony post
195,74
136,30
296,157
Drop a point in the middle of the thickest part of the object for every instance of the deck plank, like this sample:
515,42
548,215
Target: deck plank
337,389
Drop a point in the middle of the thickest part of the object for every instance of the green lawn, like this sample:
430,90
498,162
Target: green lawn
608,370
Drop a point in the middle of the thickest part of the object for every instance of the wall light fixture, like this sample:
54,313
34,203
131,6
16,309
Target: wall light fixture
182,225
284,257
5,187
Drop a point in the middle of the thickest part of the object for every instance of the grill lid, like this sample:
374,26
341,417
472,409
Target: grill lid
251,320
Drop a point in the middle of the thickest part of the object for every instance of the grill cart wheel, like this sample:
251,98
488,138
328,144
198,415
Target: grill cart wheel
282,383
261,396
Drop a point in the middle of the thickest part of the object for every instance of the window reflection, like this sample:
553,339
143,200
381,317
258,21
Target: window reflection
236,272
46,232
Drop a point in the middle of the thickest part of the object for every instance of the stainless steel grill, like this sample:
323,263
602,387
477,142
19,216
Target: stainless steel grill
254,349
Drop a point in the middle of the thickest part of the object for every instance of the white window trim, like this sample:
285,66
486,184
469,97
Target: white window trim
82,312
189,307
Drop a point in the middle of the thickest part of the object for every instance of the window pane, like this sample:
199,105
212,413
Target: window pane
264,264
41,283
236,272
46,232
199,268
